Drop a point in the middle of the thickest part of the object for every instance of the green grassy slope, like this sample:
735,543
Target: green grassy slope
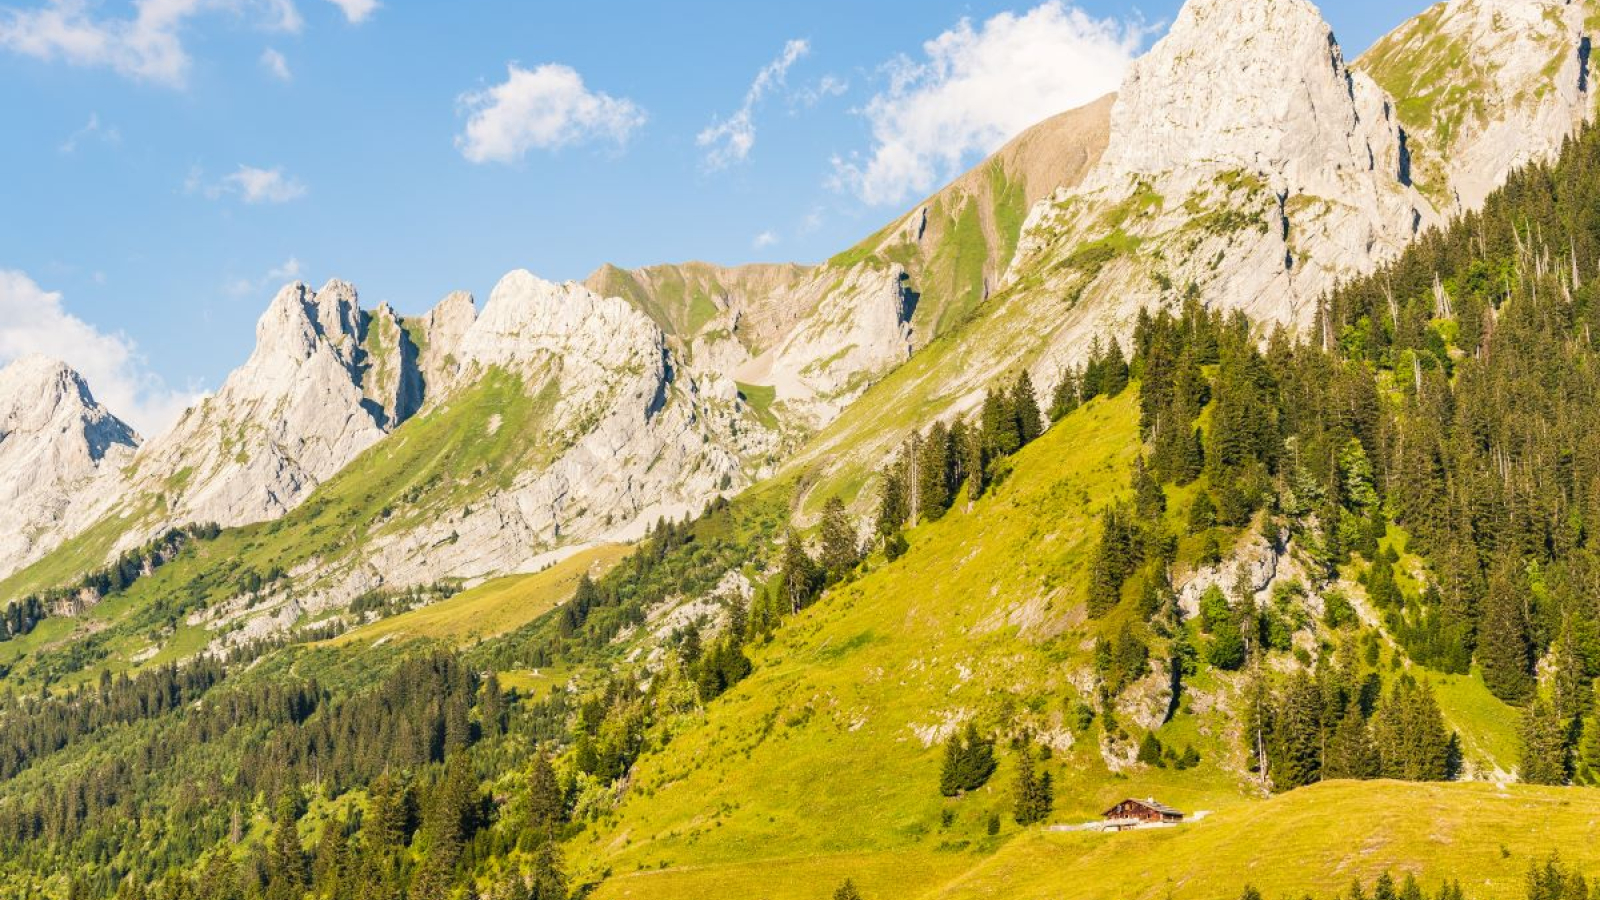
493,609
819,752
1314,841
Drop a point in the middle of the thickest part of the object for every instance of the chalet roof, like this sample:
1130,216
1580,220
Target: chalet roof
1148,803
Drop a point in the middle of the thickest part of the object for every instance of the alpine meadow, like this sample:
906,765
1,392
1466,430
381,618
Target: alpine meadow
1198,498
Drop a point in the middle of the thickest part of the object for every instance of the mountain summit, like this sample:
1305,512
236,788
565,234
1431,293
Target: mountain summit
57,445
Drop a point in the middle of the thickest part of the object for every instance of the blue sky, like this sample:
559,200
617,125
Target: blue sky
170,163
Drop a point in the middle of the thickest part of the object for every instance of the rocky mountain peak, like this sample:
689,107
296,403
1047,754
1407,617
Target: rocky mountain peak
442,329
528,318
56,442
299,320
1258,85
39,395
1247,161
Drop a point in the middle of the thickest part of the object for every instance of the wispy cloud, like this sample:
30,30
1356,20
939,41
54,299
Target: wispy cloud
730,140
248,183
764,240
93,130
274,277
978,87
34,321
820,90
148,46
276,65
356,11
545,108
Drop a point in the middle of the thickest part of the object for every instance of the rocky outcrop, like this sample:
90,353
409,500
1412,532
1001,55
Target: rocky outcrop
387,370
58,449
1486,86
294,414
440,334
857,330
618,438
1247,163
817,336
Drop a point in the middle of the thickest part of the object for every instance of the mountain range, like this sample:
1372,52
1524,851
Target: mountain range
479,464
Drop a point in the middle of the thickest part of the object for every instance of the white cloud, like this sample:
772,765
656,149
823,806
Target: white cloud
731,140
146,47
275,63
825,87
979,87
356,11
541,109
249,184
275,277
33,320
93,130
287,17
765,239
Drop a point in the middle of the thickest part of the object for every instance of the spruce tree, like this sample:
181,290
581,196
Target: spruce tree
286,860
800,578
968,762
1034,792
1297,746
1064,399
1025,406
549,880
893,501
1151,500
999,425
933,473
1411,736
1352,754
1114,376
1546,753
547,802
1504,648
840,551
847,891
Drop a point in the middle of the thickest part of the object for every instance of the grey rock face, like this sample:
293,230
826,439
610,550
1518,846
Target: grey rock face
58,447
443,329
1487,86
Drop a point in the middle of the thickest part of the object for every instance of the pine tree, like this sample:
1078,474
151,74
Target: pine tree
847,891
968,762
1151,500
549,881
840,551
1546,753
1352,754
800,578
547,801
1034,792
1064,399
1025,406
933,473
1504,649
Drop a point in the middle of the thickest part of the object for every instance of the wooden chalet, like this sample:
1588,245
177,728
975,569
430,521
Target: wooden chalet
1133,813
